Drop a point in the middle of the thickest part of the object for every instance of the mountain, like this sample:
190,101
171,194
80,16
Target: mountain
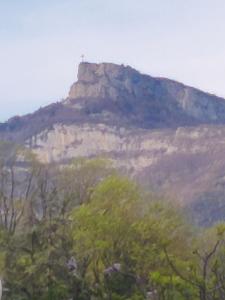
170,136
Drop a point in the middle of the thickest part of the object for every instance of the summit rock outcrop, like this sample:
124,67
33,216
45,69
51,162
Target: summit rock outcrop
146,101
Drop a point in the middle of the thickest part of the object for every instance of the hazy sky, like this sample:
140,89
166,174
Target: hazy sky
41,42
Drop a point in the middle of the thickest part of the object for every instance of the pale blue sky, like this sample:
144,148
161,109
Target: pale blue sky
41,42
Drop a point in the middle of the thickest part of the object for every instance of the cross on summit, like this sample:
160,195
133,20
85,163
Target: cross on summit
82,58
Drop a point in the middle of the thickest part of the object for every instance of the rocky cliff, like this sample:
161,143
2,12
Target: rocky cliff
169,136
146,101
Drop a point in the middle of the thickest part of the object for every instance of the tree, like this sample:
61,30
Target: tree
102,230
118,228
36,261
77,181
205,268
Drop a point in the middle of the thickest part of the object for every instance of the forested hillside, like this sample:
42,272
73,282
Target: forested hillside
84,232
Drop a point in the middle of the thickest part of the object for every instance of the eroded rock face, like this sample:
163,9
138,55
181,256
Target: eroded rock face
157,101
103,81
183,164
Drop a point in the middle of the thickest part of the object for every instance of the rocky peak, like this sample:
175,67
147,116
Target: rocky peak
119,95
90,72
146,100
103,80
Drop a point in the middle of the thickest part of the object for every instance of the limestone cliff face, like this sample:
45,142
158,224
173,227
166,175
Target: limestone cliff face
64,142
103,81
185,164
169,136
157,101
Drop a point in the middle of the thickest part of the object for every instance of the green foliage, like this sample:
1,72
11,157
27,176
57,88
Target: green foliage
114,228
98,237
36,262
